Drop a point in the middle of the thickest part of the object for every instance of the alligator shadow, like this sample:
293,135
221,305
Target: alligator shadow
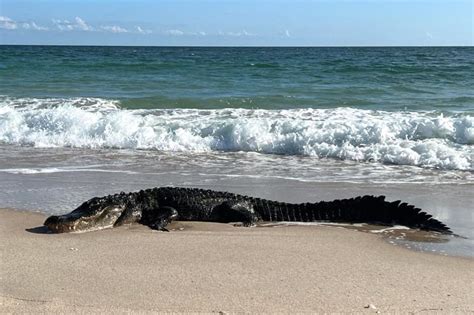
39,230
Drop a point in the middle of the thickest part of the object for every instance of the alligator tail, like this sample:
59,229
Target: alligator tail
366,209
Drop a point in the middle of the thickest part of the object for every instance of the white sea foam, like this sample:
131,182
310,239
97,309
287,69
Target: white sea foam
425,139
50,170
85,103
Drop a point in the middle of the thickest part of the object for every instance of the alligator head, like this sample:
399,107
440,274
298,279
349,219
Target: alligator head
94,214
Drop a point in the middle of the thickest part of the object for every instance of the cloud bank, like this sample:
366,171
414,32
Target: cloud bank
114,29
79,24
8,24
64,25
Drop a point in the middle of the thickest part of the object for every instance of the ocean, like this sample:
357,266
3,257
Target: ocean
282,123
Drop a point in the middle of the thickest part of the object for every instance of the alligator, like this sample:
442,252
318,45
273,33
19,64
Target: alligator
157,207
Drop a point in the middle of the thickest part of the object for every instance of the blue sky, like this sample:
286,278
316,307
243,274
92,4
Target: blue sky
237,22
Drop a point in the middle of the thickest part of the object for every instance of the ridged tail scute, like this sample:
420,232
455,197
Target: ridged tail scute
377,210
365,209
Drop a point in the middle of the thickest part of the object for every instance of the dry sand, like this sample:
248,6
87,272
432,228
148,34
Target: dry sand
220,268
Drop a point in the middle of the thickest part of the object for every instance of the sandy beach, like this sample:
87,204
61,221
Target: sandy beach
205,267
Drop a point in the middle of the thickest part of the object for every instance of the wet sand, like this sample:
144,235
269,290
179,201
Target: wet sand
220,268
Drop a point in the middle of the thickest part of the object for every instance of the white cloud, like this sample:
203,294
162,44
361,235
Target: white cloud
429,35
174,32
245,33
78,25
82,25
63,25
287,33
7,24
142,31
236,34
114,29
33,26
200,33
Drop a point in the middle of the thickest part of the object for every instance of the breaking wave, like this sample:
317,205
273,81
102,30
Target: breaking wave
424,139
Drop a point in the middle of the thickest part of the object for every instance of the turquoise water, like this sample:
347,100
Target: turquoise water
392,79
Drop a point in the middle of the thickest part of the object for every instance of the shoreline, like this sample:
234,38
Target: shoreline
212,267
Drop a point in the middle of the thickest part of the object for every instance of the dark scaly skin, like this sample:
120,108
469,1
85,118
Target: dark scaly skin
159,206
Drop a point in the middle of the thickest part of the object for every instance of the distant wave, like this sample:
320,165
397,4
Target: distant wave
424,139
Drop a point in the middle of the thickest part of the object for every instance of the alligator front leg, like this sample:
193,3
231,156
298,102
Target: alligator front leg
233,211
158,220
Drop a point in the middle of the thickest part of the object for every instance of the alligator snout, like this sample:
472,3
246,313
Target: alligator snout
59,224
86,218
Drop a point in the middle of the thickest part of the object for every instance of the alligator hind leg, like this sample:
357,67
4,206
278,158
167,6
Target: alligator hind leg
230,211
158,220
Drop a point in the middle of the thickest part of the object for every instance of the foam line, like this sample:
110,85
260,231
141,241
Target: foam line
425,139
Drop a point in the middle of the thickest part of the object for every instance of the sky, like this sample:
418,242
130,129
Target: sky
238,22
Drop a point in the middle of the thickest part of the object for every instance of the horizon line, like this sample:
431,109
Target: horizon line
241,46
